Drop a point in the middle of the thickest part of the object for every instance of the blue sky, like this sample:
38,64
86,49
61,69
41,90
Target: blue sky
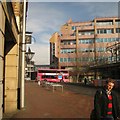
45,18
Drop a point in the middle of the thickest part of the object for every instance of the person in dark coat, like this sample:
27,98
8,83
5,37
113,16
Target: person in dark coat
106,105
85,81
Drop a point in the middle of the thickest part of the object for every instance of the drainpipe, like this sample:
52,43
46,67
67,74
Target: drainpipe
23,58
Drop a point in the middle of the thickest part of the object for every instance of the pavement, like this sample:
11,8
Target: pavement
41,102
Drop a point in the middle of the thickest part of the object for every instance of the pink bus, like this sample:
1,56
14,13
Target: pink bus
53,75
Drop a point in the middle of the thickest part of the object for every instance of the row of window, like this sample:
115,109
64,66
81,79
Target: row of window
86,33
86,59
104,23
105,31
106,39
86,50
98,24
98,49
68,42
67,51
107,23
82,59
67,59
89,41
86,41
100,31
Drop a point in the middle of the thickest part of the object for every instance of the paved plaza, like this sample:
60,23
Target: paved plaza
42,102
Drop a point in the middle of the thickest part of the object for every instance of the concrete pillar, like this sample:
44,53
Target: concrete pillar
114,29
2,28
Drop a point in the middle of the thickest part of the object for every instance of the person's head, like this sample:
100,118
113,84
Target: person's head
110,84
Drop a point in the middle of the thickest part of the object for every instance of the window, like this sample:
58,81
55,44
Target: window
69,59
68,42
105,39
86,41
117,30
104,23
61,59
86,33
117,22
86,50
73,27
100,49
104,31
63,51
65,59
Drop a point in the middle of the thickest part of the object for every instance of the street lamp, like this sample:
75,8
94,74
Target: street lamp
29,56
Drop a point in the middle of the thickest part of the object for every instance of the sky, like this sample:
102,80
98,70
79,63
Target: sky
46,17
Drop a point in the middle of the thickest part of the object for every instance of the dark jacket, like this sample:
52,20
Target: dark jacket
101,103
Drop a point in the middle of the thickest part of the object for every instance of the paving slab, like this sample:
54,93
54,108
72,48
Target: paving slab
41,102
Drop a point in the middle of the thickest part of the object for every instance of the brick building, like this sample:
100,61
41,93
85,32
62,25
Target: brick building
83,44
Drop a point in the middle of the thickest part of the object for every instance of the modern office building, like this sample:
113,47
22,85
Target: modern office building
54,50
83,44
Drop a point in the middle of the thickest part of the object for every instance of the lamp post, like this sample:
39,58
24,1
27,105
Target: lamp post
23,56
29,56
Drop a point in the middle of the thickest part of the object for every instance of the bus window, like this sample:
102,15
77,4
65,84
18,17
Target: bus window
66,77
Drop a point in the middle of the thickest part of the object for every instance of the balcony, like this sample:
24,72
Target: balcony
85,28
104,26
68,37
86,36
68,46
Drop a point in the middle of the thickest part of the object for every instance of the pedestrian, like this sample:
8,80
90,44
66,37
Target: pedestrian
39,82
85,81
106,105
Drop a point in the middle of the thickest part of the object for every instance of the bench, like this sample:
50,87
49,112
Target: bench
57,85
53,85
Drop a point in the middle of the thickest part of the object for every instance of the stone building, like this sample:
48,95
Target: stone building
11,29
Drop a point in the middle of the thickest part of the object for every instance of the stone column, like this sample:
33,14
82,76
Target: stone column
2,28
11,79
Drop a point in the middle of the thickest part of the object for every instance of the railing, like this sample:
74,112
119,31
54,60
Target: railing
113,58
